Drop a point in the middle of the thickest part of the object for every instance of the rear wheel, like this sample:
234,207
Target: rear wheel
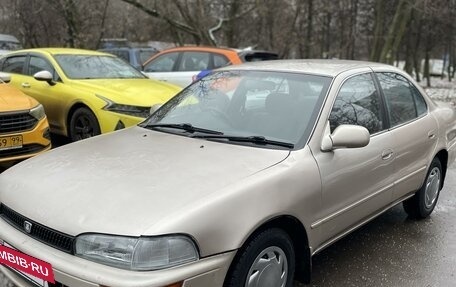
83,124
268,260
423,202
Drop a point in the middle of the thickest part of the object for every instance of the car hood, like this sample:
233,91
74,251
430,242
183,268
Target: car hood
11,99
141,92
127,181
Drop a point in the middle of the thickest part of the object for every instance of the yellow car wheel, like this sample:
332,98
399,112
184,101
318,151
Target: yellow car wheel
83,124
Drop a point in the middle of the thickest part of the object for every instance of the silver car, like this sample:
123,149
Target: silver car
237,181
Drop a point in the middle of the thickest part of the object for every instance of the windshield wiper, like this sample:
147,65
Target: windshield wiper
260,140
186,127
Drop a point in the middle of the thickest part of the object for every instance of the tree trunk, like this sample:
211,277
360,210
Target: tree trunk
342,39
326,47
378,32
352,36
102,24
396,31
231,34
427,74
308,41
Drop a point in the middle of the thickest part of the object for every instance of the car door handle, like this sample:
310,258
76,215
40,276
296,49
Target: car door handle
25,85
431,134
387,154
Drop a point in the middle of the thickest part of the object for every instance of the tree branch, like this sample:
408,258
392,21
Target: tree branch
155,13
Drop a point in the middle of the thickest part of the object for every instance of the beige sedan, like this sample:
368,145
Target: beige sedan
237,181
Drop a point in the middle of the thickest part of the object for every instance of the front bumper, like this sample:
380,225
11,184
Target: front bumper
109,121
35,137
74,271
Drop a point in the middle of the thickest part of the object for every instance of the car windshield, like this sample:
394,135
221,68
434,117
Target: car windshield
96,67
240,105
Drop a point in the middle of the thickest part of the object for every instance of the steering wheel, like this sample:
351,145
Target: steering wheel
219,114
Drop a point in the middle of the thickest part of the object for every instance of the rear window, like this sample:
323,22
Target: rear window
257,56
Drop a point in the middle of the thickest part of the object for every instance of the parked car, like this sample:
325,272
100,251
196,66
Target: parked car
24,130
84,92
134,56
180,65
237,181
8,43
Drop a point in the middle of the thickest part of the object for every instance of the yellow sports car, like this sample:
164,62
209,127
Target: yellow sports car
85,93
24,130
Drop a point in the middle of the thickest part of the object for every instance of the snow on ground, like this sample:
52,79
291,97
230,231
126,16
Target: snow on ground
441,90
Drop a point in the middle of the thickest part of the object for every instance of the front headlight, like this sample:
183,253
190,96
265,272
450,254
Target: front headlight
37,112
136,253
136,111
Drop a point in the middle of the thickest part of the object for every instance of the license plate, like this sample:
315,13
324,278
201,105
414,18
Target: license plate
38,282
10,142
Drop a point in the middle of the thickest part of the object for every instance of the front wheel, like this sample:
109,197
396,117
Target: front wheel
83,124
268,260
423,202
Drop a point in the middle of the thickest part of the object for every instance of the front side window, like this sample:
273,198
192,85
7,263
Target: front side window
96,67
38,64
358,103
145,54
14,64
163,63
270,105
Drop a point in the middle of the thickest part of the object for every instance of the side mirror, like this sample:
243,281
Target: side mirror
154,108
5,77
44,76
346,136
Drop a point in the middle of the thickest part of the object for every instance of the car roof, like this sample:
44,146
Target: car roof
200,48
312,66
60,51
127,49
7,37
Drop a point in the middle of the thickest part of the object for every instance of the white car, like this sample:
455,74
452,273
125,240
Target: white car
182,65
8,43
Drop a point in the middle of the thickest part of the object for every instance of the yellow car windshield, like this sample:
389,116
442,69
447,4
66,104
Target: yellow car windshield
96,67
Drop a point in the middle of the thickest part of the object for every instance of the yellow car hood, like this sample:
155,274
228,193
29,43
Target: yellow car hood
11,99
141,92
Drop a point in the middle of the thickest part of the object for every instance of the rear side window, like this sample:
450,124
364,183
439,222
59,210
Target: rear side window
163,63
257,56
220,61
403,100
194,61
421,107
358,103
14,64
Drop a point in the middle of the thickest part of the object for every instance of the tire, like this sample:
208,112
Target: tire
83,124
267,260
422,204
